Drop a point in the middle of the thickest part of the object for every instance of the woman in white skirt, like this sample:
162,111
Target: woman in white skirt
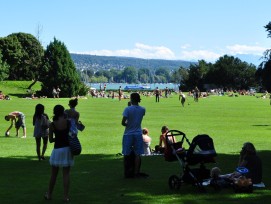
61,156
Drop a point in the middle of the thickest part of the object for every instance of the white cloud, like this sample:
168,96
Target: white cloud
196,55
140,51
245,49
185,46
144,51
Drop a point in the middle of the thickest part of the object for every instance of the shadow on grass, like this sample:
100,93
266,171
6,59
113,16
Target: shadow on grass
20,95
99,179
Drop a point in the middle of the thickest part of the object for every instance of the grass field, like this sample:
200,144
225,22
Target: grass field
97,176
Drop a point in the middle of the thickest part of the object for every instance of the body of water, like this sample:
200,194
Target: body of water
115,86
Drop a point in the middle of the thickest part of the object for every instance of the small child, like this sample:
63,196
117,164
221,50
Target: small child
215,173
217,180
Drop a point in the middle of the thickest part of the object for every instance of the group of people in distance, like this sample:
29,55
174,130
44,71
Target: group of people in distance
56,92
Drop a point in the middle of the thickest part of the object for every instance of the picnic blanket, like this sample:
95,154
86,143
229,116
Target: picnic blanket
257,185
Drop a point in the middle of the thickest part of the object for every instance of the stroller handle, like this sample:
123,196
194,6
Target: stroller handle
171,133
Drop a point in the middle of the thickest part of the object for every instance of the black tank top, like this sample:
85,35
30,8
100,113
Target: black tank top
61,136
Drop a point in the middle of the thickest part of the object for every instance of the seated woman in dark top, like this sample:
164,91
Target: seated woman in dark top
250,160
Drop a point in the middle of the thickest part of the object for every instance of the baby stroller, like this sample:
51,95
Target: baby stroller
200,151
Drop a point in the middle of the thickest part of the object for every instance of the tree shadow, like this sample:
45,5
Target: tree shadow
99,178
20,95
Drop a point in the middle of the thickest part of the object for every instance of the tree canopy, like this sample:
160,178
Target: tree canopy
24,54
227,72
4,68
61,72
264,72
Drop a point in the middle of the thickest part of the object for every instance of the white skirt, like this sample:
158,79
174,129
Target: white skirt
61,157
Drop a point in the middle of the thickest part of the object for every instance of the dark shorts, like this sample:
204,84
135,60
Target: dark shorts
20,121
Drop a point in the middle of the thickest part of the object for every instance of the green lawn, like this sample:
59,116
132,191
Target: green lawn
97,176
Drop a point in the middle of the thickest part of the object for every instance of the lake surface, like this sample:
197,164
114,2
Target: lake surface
115,86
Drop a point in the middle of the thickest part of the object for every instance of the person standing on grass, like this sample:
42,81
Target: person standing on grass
132,137
61,156
157,94
54,92
182,99
196,94
120,93
41,130
73,114
58,91
166,92
17,118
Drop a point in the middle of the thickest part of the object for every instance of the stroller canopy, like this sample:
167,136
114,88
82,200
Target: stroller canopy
201,150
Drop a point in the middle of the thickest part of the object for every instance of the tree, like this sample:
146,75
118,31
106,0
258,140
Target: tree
194,78
100,79
163,73
24,54
61,71
4,68
180,76
116,75
143,75
231,72
264,72
130,75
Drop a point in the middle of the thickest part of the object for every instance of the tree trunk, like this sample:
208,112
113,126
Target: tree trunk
32,84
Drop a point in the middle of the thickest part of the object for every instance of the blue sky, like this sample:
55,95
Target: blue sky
151,29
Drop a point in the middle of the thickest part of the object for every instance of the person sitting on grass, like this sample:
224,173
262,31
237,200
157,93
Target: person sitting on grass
2,96
146,141
162,140
249,160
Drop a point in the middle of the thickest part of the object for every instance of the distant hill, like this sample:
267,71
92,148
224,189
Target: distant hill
107,62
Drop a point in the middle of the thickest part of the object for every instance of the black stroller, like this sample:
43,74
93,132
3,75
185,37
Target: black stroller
200,151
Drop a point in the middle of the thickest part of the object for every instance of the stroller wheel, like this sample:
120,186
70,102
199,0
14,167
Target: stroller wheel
174,182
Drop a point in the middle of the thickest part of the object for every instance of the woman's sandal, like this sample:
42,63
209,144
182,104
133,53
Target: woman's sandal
66,200
46,196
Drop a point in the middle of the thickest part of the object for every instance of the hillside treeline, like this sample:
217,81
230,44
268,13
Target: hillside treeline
227,72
